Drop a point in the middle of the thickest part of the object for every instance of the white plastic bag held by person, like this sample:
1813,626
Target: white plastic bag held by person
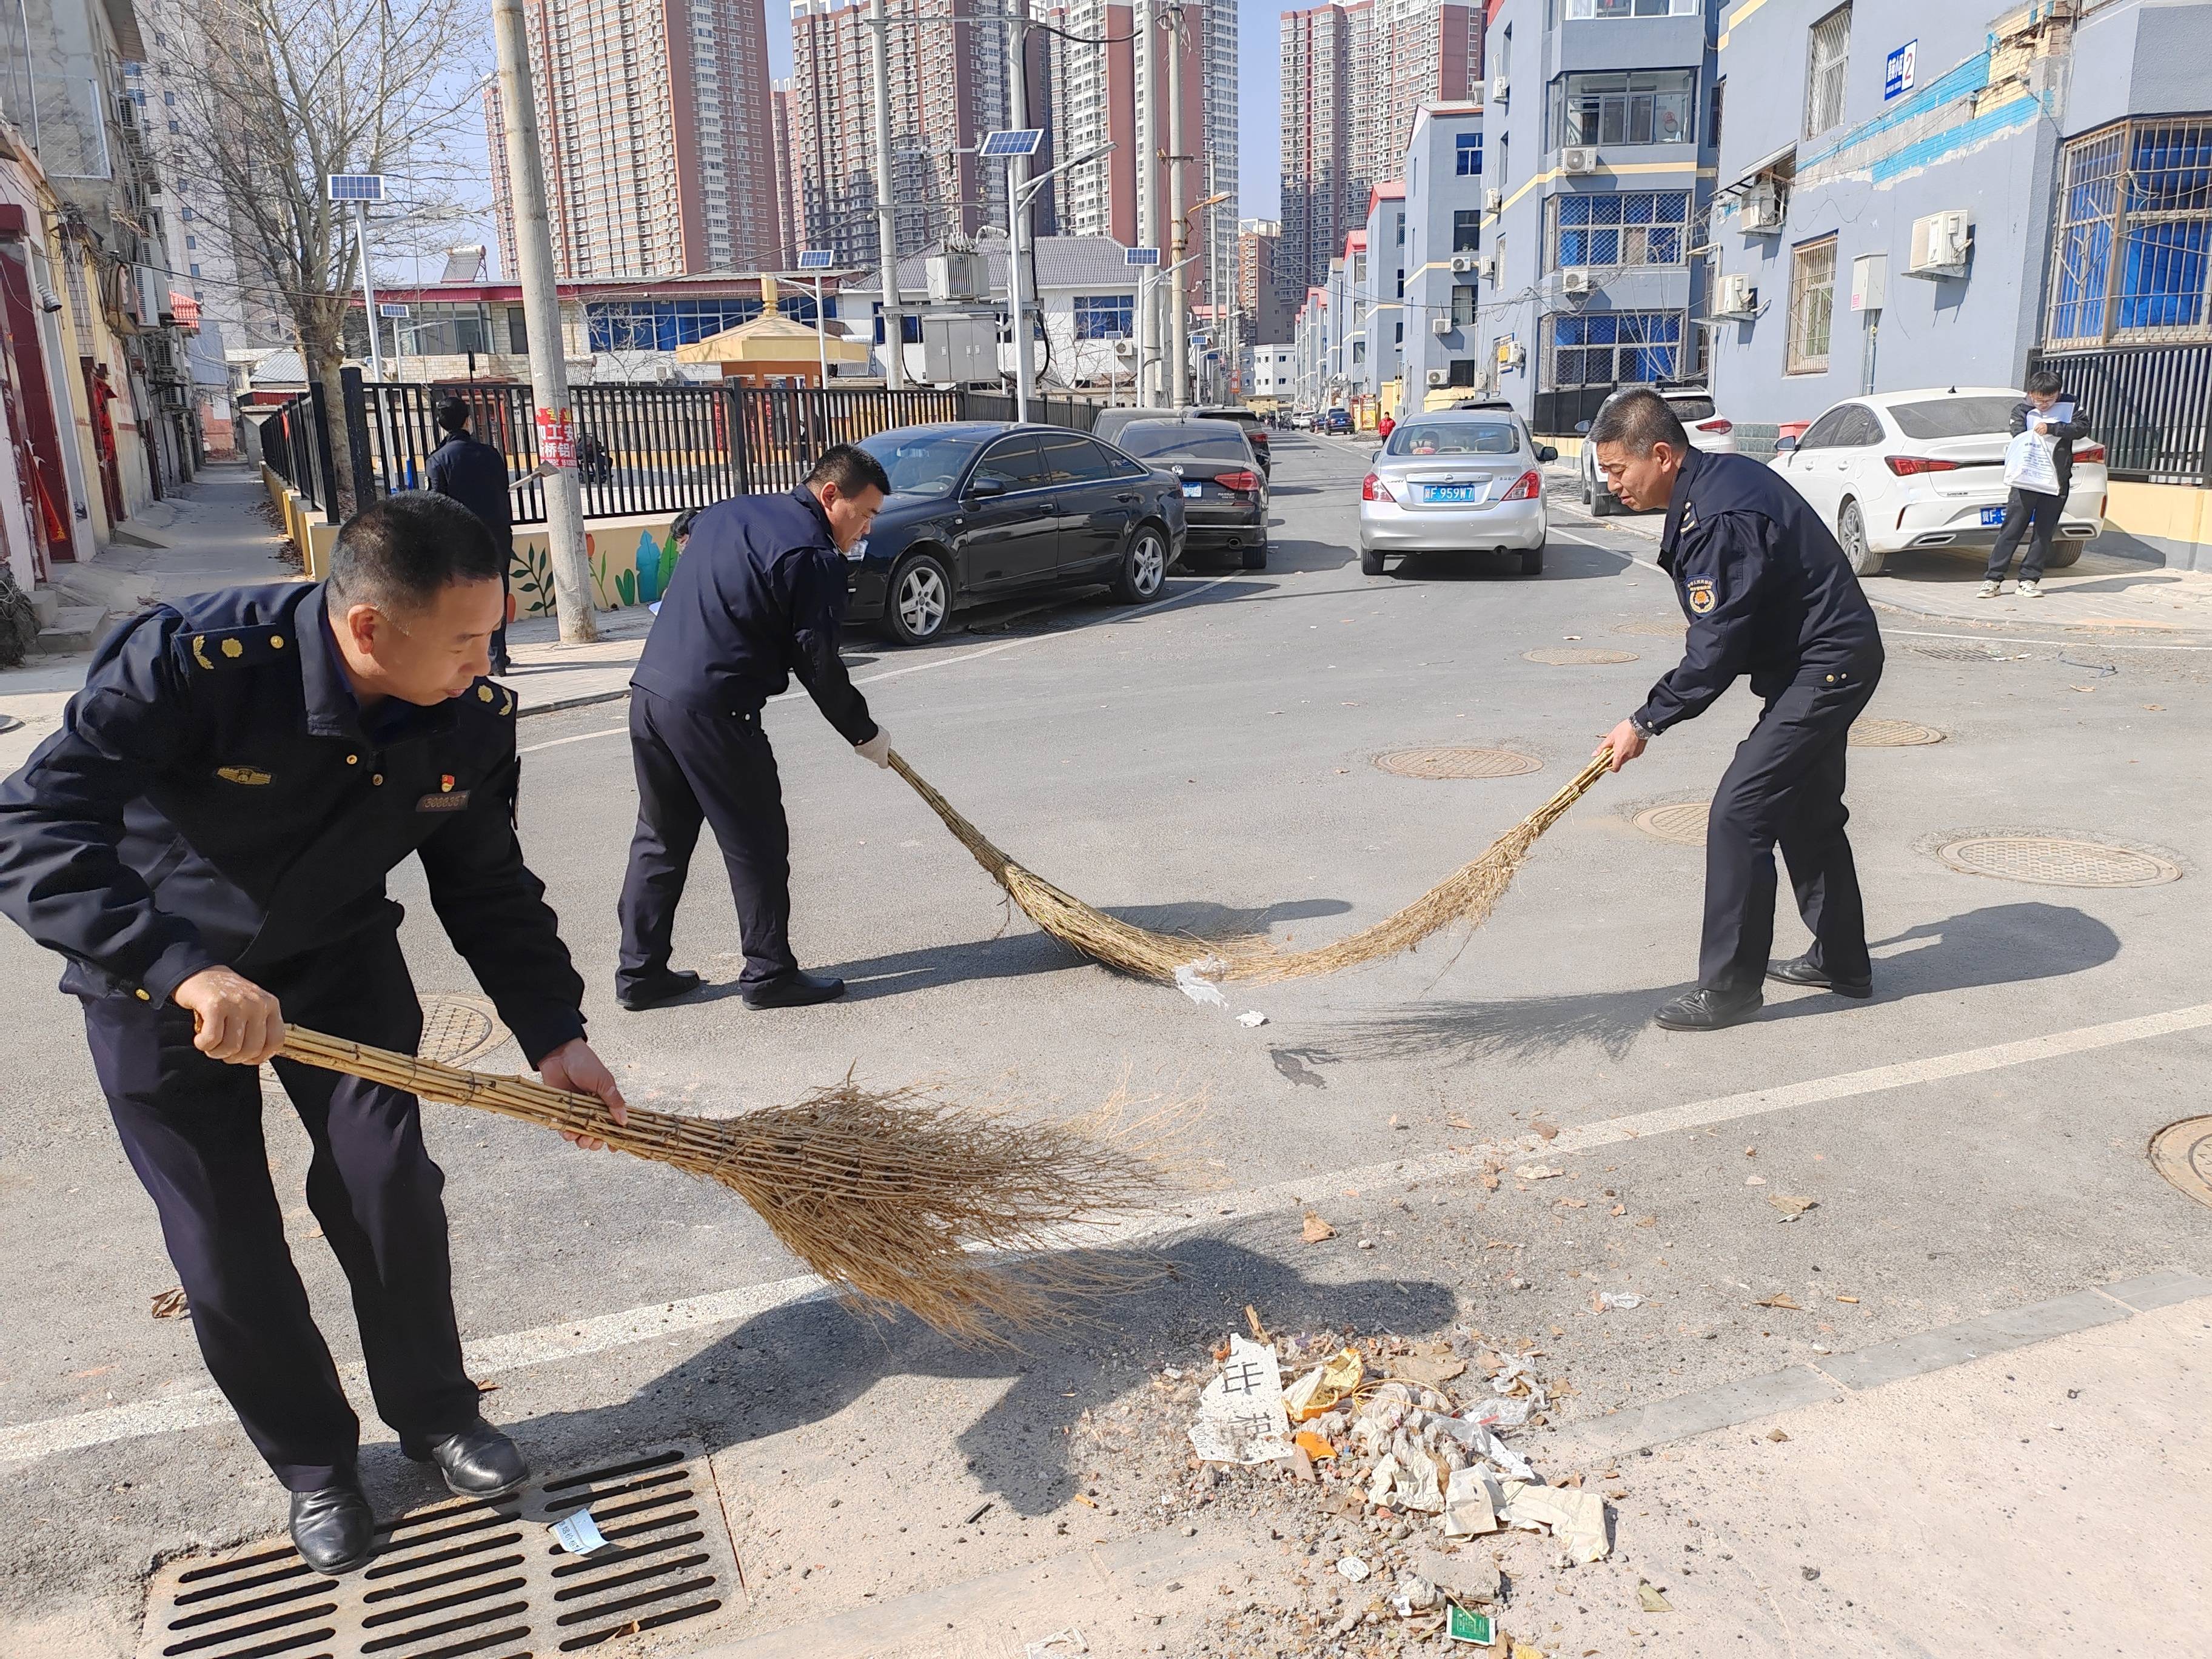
2028,466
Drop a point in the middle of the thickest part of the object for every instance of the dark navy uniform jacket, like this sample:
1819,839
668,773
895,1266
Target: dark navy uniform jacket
475,475
1764,586
759,596
214,798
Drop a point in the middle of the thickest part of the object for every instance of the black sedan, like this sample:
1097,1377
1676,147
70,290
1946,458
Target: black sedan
1223,493
983,509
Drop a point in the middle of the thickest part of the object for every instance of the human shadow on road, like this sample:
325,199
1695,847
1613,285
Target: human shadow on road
802,1363
1997,944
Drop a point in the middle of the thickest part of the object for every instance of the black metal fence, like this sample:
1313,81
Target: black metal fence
296,443
1078,413
781,429
2151,407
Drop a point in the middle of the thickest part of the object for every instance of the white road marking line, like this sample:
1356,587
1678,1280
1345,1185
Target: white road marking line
935,662
572,1339
2123,643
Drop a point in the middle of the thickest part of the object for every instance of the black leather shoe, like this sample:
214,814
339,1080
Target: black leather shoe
333,1528
1803,970
796,989
664,986
1706,1010
479,1462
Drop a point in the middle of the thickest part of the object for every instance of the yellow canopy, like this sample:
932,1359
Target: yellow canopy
773,338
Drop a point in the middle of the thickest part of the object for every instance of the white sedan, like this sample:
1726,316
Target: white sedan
1709,431
1900,470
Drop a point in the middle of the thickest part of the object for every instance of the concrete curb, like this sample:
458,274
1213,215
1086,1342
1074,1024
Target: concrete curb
581,700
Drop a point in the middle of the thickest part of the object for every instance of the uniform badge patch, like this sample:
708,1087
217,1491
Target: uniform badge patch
448,800
252,774
1701,595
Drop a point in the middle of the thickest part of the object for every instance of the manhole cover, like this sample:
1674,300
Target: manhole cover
1683,823
1893,734
1962,652
1657,626
1568,656
1457,762
2056,861
458,1030
468,1577
2182,1152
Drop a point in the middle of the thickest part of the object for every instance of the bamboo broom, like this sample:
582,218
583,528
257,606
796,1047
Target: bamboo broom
891,1198
1468,895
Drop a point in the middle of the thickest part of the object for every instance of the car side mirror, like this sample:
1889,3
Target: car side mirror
1785,446
1545,453
1583,426
1374,458
979,490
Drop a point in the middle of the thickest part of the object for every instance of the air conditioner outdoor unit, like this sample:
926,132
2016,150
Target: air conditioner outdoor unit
1501,88
1578,158
1440,377
1759,212
1441,325
1941,242
1493,200
1737,297
1125,348
1511,354
1487,268
1576,281
1462,263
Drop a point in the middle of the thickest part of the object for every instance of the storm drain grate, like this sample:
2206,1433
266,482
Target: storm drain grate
1682,822
1457,762
469,1579
458,1030
1570,656
1961,652
1893,734
1658,626
2056,861
2182,1152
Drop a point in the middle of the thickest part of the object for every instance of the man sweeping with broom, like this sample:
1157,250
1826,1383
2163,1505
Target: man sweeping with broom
1767,593
206,841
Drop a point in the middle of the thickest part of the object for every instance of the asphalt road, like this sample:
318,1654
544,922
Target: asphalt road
1209,761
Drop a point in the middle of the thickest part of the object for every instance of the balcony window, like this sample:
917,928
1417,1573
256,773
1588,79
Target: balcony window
1633,227
2132,260
1644,106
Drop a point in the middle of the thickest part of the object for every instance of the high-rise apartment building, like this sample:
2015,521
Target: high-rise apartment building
1199,37
656,127
1267,294
787,222
1093,78
948,87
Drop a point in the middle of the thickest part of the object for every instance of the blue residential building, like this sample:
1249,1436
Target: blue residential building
1443,354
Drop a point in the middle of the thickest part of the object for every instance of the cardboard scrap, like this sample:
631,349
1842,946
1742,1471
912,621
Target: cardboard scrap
1791,1206
1471,1504
1576,1518
1241,1417
1650,1596
1466,1576
1317,1229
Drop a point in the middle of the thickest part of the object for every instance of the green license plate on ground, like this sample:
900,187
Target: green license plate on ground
1466,1626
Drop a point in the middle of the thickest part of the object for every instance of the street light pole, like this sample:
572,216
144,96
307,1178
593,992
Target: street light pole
368,289
879,53
1017,207
541,316
1178,306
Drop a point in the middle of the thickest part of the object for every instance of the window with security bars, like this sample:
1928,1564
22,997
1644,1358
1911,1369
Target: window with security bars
1631,228
1827,66
1643,106
1462,305
1811,307
1611,348
1105,316
2132,258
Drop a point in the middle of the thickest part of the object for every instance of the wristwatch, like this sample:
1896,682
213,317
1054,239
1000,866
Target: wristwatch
1641,731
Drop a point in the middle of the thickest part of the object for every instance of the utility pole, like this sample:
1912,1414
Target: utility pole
1175,338
1148,199
879,53
541,317
1017,207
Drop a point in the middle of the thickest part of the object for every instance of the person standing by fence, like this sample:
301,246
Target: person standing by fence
2033,513
475,475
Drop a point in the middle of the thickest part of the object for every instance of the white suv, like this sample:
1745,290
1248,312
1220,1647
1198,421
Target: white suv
1708,429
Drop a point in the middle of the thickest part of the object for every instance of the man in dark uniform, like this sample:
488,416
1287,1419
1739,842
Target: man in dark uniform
1767,593
206,841
759,596
475,475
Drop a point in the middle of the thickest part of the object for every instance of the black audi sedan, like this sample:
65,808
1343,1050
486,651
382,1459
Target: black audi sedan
983,509
1224,494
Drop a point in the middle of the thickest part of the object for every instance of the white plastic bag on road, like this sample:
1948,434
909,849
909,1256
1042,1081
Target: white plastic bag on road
2028,465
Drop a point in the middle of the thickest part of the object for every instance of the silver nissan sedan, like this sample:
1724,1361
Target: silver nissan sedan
1455,481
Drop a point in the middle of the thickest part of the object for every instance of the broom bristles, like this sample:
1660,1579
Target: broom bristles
1468,895
961,1215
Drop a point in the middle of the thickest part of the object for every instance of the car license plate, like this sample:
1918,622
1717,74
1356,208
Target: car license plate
1191,491
1993,515
1455,492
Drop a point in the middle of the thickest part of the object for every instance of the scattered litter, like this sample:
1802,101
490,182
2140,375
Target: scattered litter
1433,1370
1252,1016
1576,1518
1536,1172
1649,1594
579,1534
1354,1569
1615,1300
1475,1627
1468,1576
1853,1300
170,1303
1061,1641
1313,1445
1190,979
1322,1386
1240,1415
1776,1435
1791,1207
1414,1594
1549,1131
978,1512
1754,1180
1779,1299
1317,1229
1366,1244
1471,1505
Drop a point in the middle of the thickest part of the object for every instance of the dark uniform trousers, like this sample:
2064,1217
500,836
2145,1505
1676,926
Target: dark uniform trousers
191,1128
696,766
1785,787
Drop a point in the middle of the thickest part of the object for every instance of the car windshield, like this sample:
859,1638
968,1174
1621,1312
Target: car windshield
1691,408
1453,438
922,462
1955,417
1203,440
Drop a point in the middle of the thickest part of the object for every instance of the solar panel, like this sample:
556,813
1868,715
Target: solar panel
356,186
384,309
1022,141
817,258
1140,256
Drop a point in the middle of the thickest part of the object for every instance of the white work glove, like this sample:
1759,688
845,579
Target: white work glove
877,748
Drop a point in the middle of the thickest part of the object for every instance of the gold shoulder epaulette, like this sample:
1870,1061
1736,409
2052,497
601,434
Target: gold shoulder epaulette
236,647
500,699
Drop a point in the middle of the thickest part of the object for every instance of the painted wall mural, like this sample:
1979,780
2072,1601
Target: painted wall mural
622,574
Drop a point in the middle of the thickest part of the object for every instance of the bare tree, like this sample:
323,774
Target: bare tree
277,94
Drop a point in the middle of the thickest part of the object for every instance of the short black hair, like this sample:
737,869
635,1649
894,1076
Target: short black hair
680,525
452,415
2045,383
400,554
852,470
1637,420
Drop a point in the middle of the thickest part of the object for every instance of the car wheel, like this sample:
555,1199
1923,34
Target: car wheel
1144,566
2063,553
1532,562
1850,532
919,599
1255,558
1603,502
1370,563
